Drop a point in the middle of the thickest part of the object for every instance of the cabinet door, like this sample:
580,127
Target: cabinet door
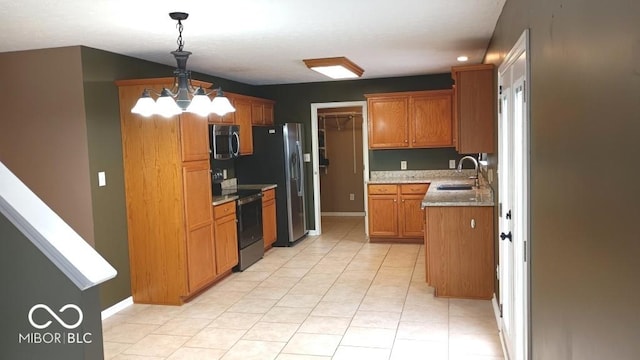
431,122
226,243
411,216
388,122
268,113
199,225
257,115
194,137
383,215
269,225
243,119
229,118
473,253
461,251
454,117
475,100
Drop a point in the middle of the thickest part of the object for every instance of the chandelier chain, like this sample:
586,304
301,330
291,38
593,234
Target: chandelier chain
180,41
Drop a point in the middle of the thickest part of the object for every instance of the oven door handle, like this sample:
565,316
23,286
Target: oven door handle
248,199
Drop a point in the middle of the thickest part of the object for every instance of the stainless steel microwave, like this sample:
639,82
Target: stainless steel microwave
224,141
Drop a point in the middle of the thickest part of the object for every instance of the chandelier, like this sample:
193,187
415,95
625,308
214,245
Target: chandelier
183,96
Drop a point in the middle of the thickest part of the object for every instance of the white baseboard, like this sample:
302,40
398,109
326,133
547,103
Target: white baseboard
342,213
313,233
496,311
117,307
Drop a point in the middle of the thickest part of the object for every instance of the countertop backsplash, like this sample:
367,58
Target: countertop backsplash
420,174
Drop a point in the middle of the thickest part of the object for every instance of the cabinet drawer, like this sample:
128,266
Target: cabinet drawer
224,209
383,189
419,189
268,195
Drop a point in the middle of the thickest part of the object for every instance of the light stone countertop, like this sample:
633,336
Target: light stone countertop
482,196
222,199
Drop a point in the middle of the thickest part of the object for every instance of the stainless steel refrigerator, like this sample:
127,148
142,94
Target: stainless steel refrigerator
278,159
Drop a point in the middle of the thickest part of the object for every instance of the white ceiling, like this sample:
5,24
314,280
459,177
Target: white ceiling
263,41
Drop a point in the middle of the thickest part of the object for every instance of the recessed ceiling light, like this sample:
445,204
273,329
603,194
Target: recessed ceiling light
463,58
335,68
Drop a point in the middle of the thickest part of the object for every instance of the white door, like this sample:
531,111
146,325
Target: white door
513,176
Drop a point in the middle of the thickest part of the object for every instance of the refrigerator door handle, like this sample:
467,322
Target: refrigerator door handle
299,175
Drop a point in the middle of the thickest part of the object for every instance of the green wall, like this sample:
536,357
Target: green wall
28,278
584,123
293,104
417,159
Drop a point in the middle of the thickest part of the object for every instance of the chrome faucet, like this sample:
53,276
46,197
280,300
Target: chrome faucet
475,163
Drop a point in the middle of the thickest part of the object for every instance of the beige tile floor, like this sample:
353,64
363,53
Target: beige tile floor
334,296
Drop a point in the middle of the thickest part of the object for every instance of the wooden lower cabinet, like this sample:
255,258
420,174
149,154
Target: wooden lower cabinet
394,212
201,269
383,215
269,225
460,253
226,236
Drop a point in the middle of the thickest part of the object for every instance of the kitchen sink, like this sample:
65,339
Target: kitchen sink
454,187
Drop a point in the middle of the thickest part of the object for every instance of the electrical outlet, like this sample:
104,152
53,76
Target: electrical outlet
224,174
352,197
452,164
403,165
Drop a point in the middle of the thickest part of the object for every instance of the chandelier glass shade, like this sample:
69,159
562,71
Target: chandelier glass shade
183,97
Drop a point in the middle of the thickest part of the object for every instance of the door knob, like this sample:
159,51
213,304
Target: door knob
506,236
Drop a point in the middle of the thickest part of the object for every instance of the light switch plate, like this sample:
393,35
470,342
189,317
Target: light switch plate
307,157
102,178
224,174
403,165
452,164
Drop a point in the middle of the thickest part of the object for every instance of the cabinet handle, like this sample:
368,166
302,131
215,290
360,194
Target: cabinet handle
473,223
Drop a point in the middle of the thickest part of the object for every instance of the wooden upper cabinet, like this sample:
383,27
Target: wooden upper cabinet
418,119
194,140
257,114
431,121
229,118
243,119
267,112
474,108
261,112
388,121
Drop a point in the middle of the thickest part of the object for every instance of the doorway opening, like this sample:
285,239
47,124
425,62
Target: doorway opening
340,159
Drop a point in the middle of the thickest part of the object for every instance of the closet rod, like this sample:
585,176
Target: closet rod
336,114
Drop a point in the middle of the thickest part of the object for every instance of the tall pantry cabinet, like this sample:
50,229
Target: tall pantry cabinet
168,198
